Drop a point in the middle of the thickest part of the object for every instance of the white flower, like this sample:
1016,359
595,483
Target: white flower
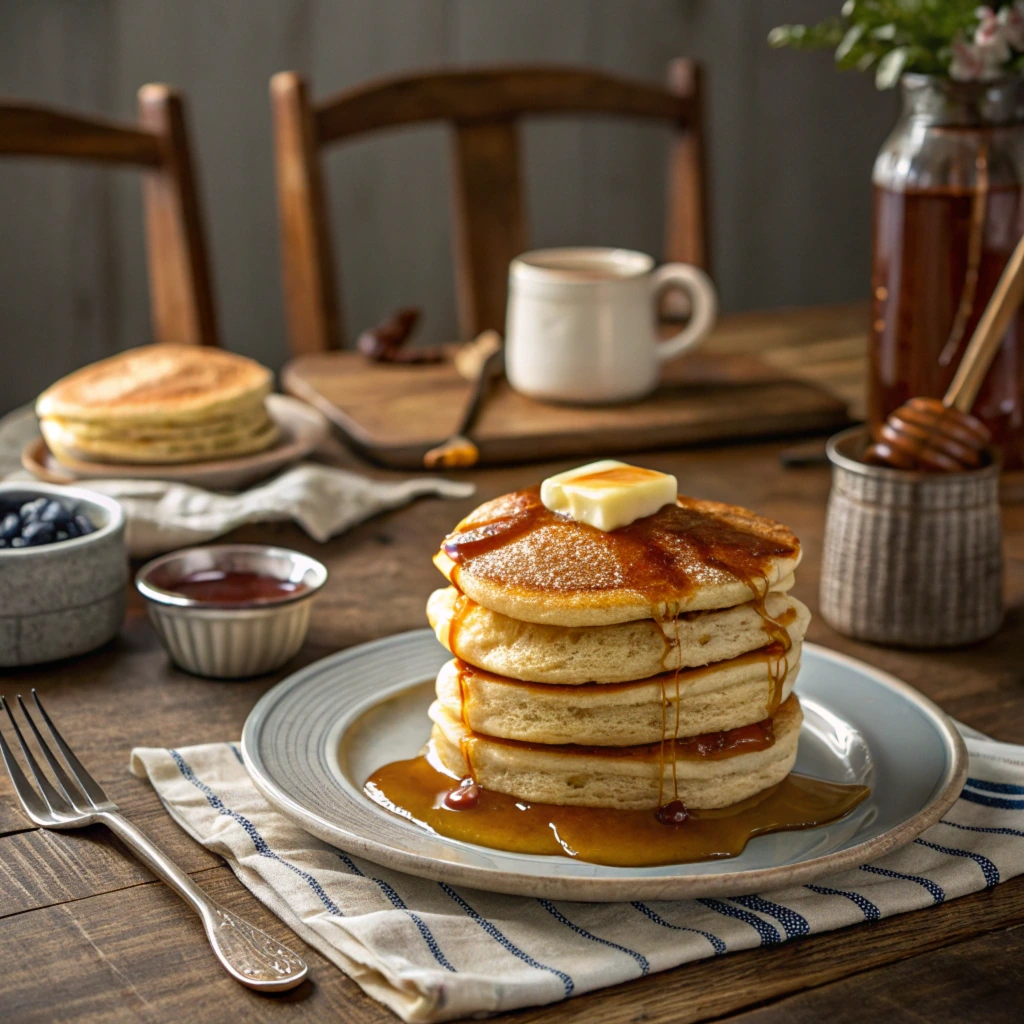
1011,18
990,37
972,63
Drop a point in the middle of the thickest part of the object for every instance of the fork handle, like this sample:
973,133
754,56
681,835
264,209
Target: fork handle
247,954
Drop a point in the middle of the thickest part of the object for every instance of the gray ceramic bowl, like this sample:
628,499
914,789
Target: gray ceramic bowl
230,641
66,598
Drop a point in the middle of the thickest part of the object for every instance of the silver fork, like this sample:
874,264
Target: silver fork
249,955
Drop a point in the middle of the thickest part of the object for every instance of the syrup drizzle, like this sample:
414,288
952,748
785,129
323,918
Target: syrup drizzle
775,655
709,746
662,556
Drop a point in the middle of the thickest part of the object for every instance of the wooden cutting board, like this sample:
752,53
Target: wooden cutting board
392,413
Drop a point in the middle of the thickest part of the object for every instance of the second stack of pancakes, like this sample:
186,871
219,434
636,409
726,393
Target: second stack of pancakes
640,668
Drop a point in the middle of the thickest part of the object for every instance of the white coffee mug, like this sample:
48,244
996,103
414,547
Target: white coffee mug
582,324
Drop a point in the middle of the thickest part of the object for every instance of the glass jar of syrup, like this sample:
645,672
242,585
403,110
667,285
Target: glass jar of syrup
948,212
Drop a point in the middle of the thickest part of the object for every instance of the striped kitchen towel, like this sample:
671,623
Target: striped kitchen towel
433,952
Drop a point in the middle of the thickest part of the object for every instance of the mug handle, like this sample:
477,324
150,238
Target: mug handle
703,299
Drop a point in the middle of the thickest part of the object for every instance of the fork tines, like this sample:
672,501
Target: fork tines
76,793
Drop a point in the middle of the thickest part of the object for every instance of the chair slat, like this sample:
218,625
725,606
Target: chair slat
483,106
181,289
490,224
311,300
484,94
180,277
30,130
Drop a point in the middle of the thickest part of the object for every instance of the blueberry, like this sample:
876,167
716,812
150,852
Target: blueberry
31,509
54,512
10,526
3,543
39,533
19,542
71,529
84,524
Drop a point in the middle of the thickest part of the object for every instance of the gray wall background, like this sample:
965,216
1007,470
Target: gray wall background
792,144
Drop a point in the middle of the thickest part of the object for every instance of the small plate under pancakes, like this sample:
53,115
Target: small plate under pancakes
302,429
311,742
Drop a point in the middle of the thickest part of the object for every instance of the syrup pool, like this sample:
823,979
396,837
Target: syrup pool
418,790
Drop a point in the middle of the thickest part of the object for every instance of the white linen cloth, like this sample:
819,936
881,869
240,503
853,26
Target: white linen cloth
432,952
323,500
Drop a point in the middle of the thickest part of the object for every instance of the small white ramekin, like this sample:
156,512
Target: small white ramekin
231,641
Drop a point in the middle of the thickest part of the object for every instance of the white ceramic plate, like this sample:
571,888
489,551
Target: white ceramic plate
302,429
312,741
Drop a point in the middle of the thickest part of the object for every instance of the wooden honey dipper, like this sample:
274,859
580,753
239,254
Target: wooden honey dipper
942,435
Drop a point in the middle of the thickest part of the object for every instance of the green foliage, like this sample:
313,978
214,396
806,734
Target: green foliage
892,36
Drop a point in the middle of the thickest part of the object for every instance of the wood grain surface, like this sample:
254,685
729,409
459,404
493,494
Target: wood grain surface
88,935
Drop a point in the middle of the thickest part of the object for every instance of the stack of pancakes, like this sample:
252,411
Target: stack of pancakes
159,404
628,669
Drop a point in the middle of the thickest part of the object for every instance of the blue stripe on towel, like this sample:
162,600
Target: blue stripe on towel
507,943
262,848
996,787
1000,802
988,869
794,923
237,753
769,935
559,916
935,891
716,943
870,911
399,904
981,828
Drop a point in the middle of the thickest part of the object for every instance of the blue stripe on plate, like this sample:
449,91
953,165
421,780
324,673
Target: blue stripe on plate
988,869
399,904
769,935
794,923
507,943
1000,802
716,943
934,890
261,845
995,787
980,828
870,911
560,917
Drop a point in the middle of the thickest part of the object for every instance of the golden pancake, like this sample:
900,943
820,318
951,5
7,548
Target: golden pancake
157,383
255,435
704,773
514,556
244,419
605,654
718,697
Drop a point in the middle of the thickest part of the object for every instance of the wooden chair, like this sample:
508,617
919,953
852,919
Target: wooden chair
179,271
483,107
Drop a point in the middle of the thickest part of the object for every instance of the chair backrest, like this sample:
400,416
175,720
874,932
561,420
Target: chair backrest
181,298
483,107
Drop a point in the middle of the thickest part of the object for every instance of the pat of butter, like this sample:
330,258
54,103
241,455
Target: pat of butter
608,494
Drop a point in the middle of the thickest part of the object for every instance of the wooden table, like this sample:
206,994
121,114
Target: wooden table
88,935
